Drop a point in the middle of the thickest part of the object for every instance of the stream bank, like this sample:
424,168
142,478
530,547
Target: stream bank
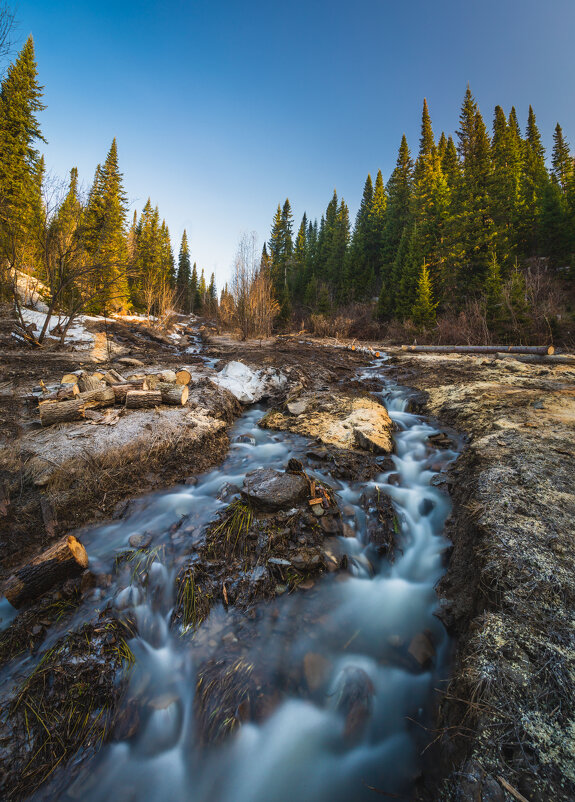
508,714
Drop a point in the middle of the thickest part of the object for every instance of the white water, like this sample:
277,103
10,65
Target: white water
363,624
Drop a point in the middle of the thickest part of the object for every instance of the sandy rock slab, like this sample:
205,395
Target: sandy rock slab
343,421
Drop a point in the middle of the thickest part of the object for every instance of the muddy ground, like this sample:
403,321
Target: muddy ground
506,721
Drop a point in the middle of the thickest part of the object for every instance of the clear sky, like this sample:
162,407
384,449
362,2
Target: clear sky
223,108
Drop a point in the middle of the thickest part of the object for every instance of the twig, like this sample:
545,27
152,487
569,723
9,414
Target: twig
512,790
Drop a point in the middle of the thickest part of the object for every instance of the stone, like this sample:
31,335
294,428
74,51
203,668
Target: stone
269,489
316,669
422,649
298,407
140,541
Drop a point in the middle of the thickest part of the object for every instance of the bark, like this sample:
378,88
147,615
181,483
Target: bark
102,397
65,559
113,377
121,390
88,382
176,394
52,412
142,399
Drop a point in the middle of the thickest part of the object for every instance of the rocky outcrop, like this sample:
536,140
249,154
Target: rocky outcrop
343,421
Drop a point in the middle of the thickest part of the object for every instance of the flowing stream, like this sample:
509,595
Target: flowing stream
360,627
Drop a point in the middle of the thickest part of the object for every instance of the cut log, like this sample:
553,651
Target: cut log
67,558
142,399
480,349
551,359
69,378
65,393
87,382
102,397
113,377
52,412
121,390
176,394
183,376
167,376
98,375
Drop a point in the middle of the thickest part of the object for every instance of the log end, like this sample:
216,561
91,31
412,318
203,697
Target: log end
550,351
79,552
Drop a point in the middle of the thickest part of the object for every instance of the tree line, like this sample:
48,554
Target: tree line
457,222
82,249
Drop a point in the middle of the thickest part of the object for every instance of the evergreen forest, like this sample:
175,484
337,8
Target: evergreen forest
474,225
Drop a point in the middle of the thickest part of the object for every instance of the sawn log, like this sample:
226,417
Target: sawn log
65,559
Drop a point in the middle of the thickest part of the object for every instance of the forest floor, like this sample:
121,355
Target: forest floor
506,722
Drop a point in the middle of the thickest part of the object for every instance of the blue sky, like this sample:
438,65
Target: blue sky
223,108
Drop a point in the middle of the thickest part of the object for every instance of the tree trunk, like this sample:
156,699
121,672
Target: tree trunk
480,349
52,412
65,559
121,390
142,399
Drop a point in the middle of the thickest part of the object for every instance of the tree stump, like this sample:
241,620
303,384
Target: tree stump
67,558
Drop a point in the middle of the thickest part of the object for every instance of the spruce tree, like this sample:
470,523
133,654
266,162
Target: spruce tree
21,168
194,292
533,182
423,310
184,275
105,236
562,163
358,251
494,295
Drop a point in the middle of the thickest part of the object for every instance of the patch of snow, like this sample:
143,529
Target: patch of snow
249,386
76,333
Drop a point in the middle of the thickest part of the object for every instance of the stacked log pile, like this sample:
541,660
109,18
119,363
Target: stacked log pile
79,392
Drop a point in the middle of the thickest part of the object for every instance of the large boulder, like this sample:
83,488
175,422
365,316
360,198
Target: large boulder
269,489
344,421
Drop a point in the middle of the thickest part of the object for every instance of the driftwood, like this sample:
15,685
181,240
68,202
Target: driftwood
183,376
542,350
65,559
142,399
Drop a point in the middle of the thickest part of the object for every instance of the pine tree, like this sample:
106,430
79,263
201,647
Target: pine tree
21,168
533,182
105,236
358,252
561,159
183,278
194,292
399,189
212,296
494,295
202,291
423,310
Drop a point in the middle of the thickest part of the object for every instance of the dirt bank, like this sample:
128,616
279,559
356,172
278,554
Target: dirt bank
508,715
